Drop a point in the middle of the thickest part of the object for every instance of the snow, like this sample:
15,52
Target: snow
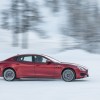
57,89
49,89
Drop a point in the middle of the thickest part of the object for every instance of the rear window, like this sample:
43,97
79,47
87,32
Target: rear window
24,58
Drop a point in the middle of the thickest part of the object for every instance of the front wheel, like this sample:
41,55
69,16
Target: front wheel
68,75
9,74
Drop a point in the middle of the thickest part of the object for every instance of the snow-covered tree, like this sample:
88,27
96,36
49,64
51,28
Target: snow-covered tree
53,5
22,17
83,24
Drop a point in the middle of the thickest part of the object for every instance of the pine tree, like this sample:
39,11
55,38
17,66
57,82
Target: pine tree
24,16
53,5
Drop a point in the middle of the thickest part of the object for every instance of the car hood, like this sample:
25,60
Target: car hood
73,64
67,63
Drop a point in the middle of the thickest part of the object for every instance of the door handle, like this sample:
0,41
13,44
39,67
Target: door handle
17,64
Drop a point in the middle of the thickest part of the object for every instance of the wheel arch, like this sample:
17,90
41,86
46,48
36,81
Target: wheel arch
9,68
70,69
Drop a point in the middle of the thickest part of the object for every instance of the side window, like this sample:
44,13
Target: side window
40,59
28,58
44,60
37,59
25,58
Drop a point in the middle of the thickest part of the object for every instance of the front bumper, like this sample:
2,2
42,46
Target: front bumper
0,72
82,74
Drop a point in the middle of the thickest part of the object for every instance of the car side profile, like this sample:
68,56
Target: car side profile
40,66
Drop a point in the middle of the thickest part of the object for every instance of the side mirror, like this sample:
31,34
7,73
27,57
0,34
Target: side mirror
48,61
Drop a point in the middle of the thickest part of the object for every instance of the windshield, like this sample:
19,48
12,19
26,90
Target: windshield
52,59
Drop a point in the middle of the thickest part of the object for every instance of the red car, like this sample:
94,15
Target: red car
39,66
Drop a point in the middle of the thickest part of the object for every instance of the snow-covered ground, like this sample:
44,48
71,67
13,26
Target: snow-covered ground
49,89
56,89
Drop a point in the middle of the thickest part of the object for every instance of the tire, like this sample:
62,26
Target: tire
68,75
9,75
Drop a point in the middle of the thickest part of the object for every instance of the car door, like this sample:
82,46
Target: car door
43,69
25,66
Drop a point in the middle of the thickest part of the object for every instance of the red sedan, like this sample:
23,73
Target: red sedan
39,66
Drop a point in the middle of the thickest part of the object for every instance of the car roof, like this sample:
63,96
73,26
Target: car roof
26,54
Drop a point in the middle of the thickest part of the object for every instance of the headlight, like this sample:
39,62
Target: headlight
81,68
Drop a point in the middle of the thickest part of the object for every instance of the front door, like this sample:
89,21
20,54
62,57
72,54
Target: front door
42,68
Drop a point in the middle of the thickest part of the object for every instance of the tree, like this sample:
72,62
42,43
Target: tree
83,24
53,5
24,16
4,22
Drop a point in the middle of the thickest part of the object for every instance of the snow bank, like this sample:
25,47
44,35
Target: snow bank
56,89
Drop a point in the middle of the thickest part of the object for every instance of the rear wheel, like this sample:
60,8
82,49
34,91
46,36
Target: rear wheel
9,74
68,75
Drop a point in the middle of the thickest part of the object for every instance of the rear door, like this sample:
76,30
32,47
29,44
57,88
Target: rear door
25,66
